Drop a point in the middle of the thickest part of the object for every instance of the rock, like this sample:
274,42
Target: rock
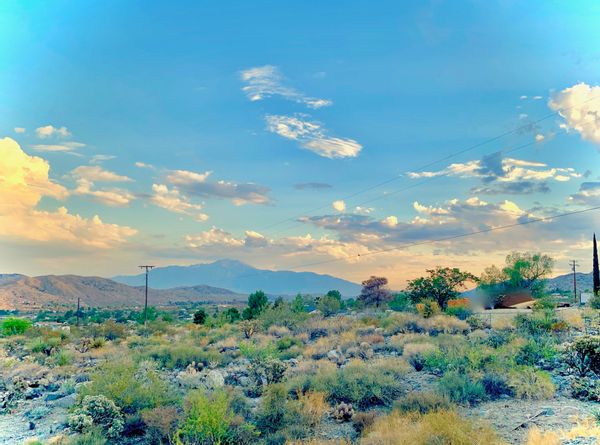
32,393
214,379
31,426
66,402
333,355
54,396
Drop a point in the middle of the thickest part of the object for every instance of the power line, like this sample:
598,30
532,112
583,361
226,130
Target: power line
445,158
437,240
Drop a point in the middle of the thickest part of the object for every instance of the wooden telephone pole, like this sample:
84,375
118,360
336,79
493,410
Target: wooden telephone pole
78,309
147,268
574,268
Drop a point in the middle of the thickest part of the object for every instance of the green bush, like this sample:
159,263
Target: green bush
422,402
496,385
329,305
361,384
207,420
180,356
461,388
131,386
200,316
400,302
538,323
97,411
15,326
534,351
586,389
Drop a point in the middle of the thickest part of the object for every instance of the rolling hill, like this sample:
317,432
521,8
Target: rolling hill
52,291
241,277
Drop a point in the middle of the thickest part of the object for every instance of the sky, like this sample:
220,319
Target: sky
350,138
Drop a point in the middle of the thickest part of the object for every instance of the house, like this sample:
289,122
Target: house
520,299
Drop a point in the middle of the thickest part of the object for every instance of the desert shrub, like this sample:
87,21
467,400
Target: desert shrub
422,402
264,372
538,323
361,384
180,356
45,345
595,302
586,389
403,323
499,337
364,420
534,351
496,385
476,322
160,422
286,343
249,327
583,355
15,326
461,388
448,325
63,358
439,427
274,413
110,330
97,411
460,312
428,308
313,405
529,383
93,437
206,420
254,351
416,353
131,386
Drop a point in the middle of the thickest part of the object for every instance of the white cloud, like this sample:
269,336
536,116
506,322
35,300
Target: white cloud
144,165
186,177
174,201
19,130
49,131
97,173
313,137
339,206
266,81
24,182
579,105
114,197
64,146
539,137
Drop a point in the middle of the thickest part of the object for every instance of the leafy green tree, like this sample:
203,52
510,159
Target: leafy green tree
232,314
400,302
298,304
374,291
335,294
329,305
442,284
257,303
200,316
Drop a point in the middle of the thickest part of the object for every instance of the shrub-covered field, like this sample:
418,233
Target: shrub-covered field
382,370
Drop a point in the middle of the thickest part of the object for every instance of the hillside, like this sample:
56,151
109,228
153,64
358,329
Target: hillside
63,290
240,277
565,282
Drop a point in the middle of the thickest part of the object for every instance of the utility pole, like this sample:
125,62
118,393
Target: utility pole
78,309
147,268
573,268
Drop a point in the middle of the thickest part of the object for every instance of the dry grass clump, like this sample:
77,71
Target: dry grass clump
313,406
528,383
572,317
278,331
403,323
584,430
441,427
415,353
445,324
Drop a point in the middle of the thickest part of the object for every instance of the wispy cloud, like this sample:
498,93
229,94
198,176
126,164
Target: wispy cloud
96,173
19,130
97,159
197,184
312,136
61,147
266,81
312,185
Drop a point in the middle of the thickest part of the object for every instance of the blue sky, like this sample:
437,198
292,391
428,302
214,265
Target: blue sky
292,108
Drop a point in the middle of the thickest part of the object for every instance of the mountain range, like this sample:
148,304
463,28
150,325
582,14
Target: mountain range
56,291
243,278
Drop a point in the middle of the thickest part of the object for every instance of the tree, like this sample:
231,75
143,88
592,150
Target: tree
329,305
335,294
257,303
231,314
528,270
200,316
442,284
374,291
298,304
596,270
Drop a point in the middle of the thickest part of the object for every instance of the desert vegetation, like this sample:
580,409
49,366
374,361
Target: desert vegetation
420,367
